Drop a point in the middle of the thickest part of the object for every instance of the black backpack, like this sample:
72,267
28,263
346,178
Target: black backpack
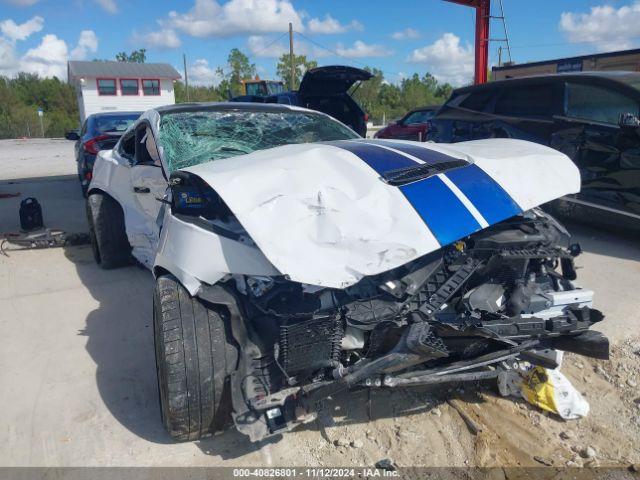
30,214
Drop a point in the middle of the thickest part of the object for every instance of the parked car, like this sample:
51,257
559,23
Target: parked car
325,89
294,260
99,131
413,126
592,117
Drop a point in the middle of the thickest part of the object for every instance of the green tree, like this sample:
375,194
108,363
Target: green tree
136,56
20,98
199,93
301,65
238,68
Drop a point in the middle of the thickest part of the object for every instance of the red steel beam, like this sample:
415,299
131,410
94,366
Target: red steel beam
483,12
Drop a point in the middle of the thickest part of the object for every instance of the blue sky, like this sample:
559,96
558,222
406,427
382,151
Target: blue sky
398,37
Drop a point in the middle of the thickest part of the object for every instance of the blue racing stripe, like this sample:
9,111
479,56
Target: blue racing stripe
489,198
380,159
425,154
444,214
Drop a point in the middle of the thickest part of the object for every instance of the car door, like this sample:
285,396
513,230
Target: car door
78,145
148,187
607,155
526,111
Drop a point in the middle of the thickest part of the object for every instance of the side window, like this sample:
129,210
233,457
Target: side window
151,87
127,147
526,101
146,152
477,101
284,99
418,117
83,130
598,104
106,86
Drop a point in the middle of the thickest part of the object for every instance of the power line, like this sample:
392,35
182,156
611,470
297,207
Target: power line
347,58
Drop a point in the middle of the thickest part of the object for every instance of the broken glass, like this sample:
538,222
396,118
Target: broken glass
194,137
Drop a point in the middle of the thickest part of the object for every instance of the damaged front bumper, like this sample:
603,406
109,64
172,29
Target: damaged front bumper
292,407
523,338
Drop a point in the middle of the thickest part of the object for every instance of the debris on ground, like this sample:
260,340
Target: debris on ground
386,464
46,238
547,389
543,461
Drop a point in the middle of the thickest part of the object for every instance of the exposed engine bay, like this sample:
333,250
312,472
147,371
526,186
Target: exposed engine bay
452,315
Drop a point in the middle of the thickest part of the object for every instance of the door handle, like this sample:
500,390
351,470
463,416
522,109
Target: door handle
141,189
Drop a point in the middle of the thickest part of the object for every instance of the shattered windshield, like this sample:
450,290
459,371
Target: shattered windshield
194,137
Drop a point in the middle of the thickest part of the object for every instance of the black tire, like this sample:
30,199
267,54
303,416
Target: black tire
109,241
194,357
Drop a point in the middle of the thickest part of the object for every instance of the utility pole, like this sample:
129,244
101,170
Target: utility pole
40,115
291,57
186,77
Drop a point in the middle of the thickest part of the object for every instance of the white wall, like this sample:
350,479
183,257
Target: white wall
90,102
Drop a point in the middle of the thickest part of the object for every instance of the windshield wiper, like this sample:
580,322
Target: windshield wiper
402,176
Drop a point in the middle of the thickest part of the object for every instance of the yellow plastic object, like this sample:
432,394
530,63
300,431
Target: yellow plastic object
550,390
538,391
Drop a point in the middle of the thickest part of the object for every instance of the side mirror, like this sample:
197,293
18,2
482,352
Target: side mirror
628,120
72,135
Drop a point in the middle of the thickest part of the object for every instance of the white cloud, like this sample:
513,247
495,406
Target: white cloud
22,3
607,27
13,31
446,59
8,62
88,42
200,73
208,18
359,49
406,34
162,39
49,59
330,25
257,43
109,6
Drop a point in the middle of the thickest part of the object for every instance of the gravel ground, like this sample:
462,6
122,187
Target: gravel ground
77,372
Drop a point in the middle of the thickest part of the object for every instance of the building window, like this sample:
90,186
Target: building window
106,86
129,86
151,87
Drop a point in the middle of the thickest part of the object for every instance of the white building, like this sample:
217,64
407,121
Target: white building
121,86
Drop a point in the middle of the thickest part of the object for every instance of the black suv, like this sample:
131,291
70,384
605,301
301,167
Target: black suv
592,117
325,89
100,131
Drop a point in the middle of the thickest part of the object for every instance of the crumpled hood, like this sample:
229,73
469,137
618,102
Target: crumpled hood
322,213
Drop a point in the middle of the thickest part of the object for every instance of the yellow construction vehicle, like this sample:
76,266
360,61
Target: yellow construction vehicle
262,88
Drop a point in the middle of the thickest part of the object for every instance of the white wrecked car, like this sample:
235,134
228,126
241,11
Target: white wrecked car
294,259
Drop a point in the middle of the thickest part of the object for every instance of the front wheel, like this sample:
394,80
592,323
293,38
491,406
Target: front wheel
109,241
194,357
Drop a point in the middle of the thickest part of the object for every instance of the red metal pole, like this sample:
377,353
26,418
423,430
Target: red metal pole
483,12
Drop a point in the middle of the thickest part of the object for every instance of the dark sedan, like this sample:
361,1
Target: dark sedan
593,117
100,131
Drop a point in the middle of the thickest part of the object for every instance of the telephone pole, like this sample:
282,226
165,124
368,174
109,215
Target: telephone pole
291,57
186,77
